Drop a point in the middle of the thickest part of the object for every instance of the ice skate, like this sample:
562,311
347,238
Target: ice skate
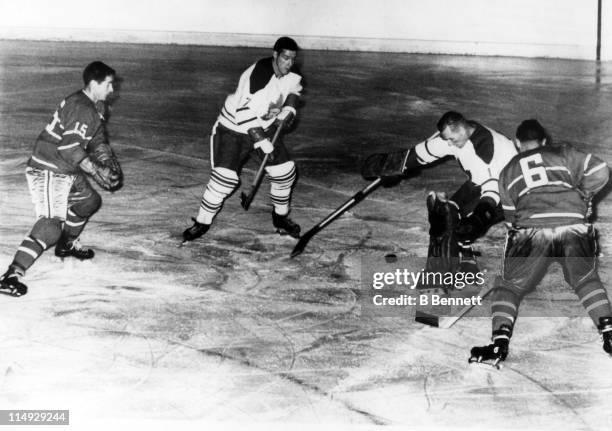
10,284
605,329
494,353
73,248
194,232
285,226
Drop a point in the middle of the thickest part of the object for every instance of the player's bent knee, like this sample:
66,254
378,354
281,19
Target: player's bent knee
226,173
283,171
222,182
588,280
89,206
505,291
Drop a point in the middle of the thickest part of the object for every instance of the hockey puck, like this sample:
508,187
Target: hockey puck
391,258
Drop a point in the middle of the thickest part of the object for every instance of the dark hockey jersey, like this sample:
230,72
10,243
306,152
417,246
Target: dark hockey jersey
61,146
259,97
482,158
550,186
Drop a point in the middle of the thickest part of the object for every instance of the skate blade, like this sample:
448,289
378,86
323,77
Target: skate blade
10,292
283,232
494,364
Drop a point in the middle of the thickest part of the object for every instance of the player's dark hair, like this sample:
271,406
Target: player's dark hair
97,71
450,119
532,130
285,43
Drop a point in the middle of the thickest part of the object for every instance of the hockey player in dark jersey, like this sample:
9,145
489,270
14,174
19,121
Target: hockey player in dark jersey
546,192
455,222
268,92
71,145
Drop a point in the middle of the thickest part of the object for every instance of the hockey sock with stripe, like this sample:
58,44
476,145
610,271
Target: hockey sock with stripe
73,226
282,178
44,234
594,299
504,308
222,183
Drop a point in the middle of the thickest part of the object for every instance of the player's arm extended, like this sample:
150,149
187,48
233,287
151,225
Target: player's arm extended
394,166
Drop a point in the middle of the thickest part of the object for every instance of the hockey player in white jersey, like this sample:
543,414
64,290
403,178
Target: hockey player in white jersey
455,222
267,95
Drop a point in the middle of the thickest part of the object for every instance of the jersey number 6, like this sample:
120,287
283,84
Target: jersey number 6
534,175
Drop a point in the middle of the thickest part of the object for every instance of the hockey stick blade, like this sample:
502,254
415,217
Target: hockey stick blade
427,319
245,200
448,321
303,241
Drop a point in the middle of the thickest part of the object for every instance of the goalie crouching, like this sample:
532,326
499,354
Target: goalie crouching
455,222
71,146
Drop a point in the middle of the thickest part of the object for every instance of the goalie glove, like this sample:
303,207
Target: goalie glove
476,224
390,167
103,175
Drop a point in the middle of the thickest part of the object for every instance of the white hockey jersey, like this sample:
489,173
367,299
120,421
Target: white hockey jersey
482,158
259,97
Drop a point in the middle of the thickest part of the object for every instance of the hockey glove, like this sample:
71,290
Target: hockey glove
286,116
390,167
476,224
265,145
103,175
103,155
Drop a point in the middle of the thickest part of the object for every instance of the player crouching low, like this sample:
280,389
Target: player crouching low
546,193
266,98
455,222
71,145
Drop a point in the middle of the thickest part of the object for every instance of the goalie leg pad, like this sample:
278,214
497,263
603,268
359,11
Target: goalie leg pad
443,252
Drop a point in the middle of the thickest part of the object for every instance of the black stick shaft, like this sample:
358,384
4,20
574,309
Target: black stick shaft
357,197
248,198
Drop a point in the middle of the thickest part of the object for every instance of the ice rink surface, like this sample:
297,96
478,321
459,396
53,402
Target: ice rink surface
229,331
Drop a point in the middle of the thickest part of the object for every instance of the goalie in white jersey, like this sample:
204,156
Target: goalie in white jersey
267,95
455,222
